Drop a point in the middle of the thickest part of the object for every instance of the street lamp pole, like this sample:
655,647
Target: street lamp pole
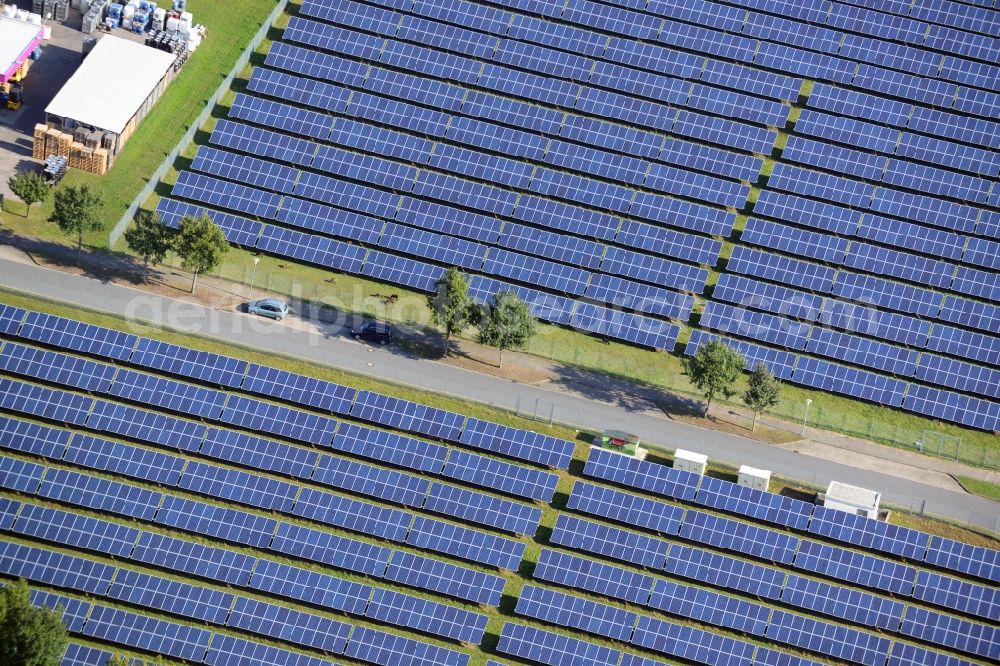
253,275
805,416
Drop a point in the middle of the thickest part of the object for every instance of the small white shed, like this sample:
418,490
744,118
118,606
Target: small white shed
690,462
851,499
751,477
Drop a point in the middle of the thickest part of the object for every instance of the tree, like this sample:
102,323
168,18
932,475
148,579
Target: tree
763,391
30,636
509,324
450,304
76,211
714,369
200,244
30,187
149,238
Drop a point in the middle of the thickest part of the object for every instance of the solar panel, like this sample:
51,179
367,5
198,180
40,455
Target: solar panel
757,504
218,564
780,363
311,587
554,649
250,170
390,447
10,319
59,406
287,624
741,537
855,567
203,366
907,654
829,639
264,454
852,605
499,475
262,142
483,509
723,571
330,509
70,334
573,612
132,461
517,443
230,651
57,368
871,534
8,512
625,507
168,394
958,594
28,437
74,612
613,323
710,607
146,426
619,544
758,325
780,269
379,647
405,415
175,597
58,569
792,240
326,548
98,493
690,643
629,471
276,419
81,655
238,230
70,529
239,486
445,578
300,389
387,484
225,194
466,543
426,616
211,520
146,633
964,558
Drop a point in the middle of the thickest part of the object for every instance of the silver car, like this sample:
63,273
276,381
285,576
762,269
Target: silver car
268,307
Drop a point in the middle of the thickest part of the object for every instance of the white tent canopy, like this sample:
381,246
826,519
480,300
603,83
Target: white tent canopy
111,84
15,38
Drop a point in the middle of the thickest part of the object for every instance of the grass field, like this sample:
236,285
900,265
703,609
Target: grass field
981,488
230,25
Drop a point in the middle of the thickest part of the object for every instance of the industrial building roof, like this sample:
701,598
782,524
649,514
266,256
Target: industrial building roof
17,40
861,497
111,84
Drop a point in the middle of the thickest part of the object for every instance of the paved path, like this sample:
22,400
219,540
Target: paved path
325,343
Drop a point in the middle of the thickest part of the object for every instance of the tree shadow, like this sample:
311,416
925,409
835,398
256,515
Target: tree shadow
795,493
99,264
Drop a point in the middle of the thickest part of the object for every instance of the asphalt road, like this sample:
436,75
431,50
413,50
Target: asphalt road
326,343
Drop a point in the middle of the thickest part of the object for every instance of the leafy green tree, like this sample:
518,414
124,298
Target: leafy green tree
29,636
508,324
714,369
450,304
77,210
200,244
763,391
149,238
30,187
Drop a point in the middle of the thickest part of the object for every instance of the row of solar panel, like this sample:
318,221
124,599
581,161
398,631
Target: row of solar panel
787,59
769,507
475,256
842,602
845,221
650,94
238,527
481,55
854,317
921,399
886,111
163,469
196,645
829,40
733,47
865,352
603,321
300,389
717,570
187,600
339,473
190,399
879,292
724,610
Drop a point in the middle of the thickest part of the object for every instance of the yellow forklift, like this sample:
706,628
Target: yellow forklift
15,96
